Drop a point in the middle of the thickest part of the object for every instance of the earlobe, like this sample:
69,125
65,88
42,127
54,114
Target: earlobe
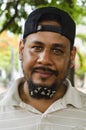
72,64
20,57
21,48
73,54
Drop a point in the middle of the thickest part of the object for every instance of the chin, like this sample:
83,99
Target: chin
41,90
44,83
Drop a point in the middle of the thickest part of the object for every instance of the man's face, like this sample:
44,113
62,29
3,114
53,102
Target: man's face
46,58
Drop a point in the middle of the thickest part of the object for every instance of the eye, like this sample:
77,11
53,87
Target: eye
57,51
37,48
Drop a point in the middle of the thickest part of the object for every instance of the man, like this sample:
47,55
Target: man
44,98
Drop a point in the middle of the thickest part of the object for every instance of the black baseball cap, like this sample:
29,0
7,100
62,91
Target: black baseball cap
67,28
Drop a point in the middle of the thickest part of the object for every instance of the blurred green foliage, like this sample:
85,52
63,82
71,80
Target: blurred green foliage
13,12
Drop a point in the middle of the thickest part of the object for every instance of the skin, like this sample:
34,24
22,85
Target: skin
50,50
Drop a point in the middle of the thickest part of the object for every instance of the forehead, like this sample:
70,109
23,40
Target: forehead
48,38
48,22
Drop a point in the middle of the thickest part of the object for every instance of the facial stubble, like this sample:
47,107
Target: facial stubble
43,91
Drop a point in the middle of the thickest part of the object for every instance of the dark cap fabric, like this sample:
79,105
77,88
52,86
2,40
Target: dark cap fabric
66,29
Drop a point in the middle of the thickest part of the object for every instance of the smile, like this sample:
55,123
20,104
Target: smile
44,74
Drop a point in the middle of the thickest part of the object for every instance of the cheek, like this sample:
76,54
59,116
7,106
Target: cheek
28,60
63,65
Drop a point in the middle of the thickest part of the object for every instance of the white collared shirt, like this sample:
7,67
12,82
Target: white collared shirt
67,113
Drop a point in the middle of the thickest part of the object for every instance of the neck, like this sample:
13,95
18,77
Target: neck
40,104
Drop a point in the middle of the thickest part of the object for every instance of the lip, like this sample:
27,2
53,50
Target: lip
44,74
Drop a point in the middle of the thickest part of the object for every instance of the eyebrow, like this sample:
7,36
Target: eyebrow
58,45
61,45
38,42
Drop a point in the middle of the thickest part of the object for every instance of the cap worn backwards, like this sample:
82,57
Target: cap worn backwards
66,29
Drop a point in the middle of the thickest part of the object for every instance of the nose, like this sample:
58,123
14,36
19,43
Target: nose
45,58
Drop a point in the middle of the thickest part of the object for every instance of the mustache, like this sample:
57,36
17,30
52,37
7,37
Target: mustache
45,69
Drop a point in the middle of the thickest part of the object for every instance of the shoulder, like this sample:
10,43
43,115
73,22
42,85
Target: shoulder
2,95
83,97
75,97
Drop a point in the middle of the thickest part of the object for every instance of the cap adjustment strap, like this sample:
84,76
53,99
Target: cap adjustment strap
50,28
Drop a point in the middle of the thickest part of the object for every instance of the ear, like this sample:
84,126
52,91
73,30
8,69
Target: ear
73,54
21,48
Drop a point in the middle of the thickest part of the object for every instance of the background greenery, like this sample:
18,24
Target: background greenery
14,12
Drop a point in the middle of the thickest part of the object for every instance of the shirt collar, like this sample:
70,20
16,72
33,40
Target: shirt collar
11,97
72,96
